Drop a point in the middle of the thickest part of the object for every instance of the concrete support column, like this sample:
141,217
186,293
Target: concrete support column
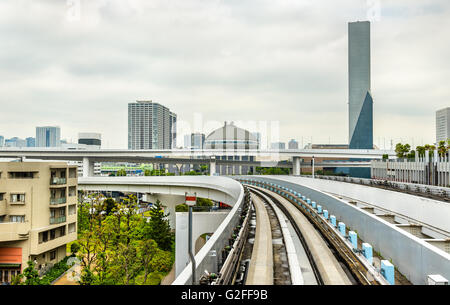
212,166
296,167
88,167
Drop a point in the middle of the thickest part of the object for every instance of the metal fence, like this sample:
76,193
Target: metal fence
400,186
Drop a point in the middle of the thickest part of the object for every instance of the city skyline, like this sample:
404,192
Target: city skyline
299,62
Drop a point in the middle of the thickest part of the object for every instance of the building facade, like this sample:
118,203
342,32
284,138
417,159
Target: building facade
48,136
2,141
278,145
442,125
38,214
197,141
360,101
15,142
31,142
151,126
293,144
90,139
229,138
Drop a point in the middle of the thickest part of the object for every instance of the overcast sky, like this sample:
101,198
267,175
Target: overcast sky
77,64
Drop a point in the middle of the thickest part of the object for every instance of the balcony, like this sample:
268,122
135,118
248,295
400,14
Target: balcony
57,181
54,201
55,220
11,231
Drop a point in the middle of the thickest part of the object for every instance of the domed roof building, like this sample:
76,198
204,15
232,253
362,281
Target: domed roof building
231,137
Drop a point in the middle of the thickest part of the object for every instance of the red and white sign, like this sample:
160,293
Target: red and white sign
191,199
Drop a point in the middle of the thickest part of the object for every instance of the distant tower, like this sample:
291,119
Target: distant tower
360,97
151,126
48,136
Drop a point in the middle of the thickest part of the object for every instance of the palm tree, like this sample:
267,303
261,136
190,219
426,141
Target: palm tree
421,151
442,148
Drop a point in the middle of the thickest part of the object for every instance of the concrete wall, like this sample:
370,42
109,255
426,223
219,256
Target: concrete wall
413,257
434,213
203,222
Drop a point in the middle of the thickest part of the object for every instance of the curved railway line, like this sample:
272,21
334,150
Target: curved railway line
284,241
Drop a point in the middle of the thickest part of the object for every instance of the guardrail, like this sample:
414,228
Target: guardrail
54,220
57,181
414,257
401,186
210,256
58,200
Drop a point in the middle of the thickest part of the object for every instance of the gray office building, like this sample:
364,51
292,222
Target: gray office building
31,142
442,125
360,98
48,136
151,126
197,141
293,144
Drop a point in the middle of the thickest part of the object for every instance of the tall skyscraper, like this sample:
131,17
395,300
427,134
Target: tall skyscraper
442,125
48,136
360,99
151,126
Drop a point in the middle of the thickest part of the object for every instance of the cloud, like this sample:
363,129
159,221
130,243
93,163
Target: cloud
255,60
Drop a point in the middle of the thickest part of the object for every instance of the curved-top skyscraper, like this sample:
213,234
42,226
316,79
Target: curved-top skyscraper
360,98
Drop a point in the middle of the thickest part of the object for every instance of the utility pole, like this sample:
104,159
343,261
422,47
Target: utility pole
191,201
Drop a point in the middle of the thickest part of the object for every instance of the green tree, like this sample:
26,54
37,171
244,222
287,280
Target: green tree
203,202
31,275
147,172
158,227
442,148
147,249
421,151
109,206
74,248
182,208
121,172
402,150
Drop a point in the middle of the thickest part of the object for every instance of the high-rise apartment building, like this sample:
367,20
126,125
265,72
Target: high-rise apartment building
151,126
48,136
360,98
38,214
442,125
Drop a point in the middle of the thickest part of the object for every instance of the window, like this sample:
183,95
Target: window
52,255
17,198
52,234
72,209
17,218
21,175
1,196
72,227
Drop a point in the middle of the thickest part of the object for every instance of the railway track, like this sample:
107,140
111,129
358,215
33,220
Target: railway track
282,239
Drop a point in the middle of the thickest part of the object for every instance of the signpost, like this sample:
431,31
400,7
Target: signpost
191,200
